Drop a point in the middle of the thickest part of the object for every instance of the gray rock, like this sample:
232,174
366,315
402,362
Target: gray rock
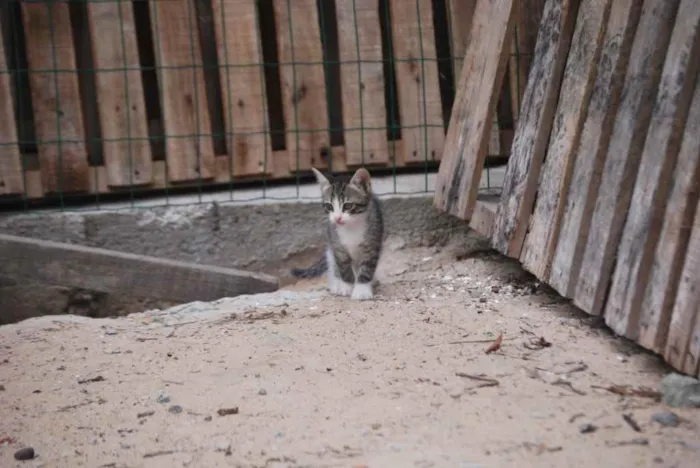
666,418
175,409
587,428
680,391
163,398
26,453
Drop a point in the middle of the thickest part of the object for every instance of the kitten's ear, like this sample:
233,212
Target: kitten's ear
320,178
361,178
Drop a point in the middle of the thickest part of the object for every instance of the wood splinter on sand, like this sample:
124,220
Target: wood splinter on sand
124,273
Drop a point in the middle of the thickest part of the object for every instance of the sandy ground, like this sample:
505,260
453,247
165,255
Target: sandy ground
324,381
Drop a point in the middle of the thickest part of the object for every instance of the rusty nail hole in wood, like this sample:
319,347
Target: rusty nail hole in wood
240,103
2,183
415,153
133,108
432,153
137,173
324,153
313,161
362,86
371,155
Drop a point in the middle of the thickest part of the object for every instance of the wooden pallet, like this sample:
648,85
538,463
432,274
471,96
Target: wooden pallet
199,92
600,197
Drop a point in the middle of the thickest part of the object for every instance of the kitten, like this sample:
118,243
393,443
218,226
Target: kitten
354,235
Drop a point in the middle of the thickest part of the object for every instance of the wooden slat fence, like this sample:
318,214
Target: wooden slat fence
600,196
113,96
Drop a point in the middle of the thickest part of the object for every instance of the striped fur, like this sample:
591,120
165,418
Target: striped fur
354,234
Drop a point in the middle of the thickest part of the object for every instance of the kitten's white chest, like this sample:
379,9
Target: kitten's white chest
351,237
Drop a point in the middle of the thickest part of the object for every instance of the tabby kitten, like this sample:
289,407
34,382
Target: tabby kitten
354,235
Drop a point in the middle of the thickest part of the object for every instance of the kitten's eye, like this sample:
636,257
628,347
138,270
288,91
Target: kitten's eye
328,207
348,206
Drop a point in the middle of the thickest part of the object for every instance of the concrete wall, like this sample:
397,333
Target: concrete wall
262,237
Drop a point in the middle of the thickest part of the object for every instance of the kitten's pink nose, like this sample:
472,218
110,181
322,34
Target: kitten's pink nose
338,219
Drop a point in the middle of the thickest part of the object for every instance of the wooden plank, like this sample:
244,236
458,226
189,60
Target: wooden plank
624,151
642,227
420,104
660,294
124,273
577,85
482,217
362,82
303,83
243,86
120,98
188,145
461,17
11,177
533,127
682,349
593,145
58,117
524,41
458,180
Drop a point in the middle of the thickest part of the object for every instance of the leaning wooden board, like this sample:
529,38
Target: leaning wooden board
188,145
124,273
303,84
626,145
243,88
593,145
11,177
534,124
683,344
58,117
642,229
577,85
458,180
420,105
661,291
362,82
120,98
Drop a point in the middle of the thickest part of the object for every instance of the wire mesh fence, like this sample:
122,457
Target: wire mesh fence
230,100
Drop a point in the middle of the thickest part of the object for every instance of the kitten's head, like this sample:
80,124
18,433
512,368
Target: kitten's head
345,202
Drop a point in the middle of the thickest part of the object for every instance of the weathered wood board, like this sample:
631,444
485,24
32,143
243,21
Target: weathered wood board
121,106
459,176
123,273
303,84
577,85
461,18
243,87
667,265
534,125
682,349
624,151
420,105
11,177
362,82
642,228
188,146
58,117
593,145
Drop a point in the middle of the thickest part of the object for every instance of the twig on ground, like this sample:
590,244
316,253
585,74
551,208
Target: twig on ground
566,383
624,390
486,381
158,453
622,443
629,419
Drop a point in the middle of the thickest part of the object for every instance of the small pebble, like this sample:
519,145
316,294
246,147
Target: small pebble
483,299
110,331
262,391
2,388
207,418
587,428
495,289
175,409
225,447
666,418
26,453
361,357
163,398
376,426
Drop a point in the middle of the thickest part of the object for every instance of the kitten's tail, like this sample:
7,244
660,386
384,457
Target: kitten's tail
314,271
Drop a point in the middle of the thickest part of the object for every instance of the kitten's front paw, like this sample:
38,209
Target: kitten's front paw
340,288
362,292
